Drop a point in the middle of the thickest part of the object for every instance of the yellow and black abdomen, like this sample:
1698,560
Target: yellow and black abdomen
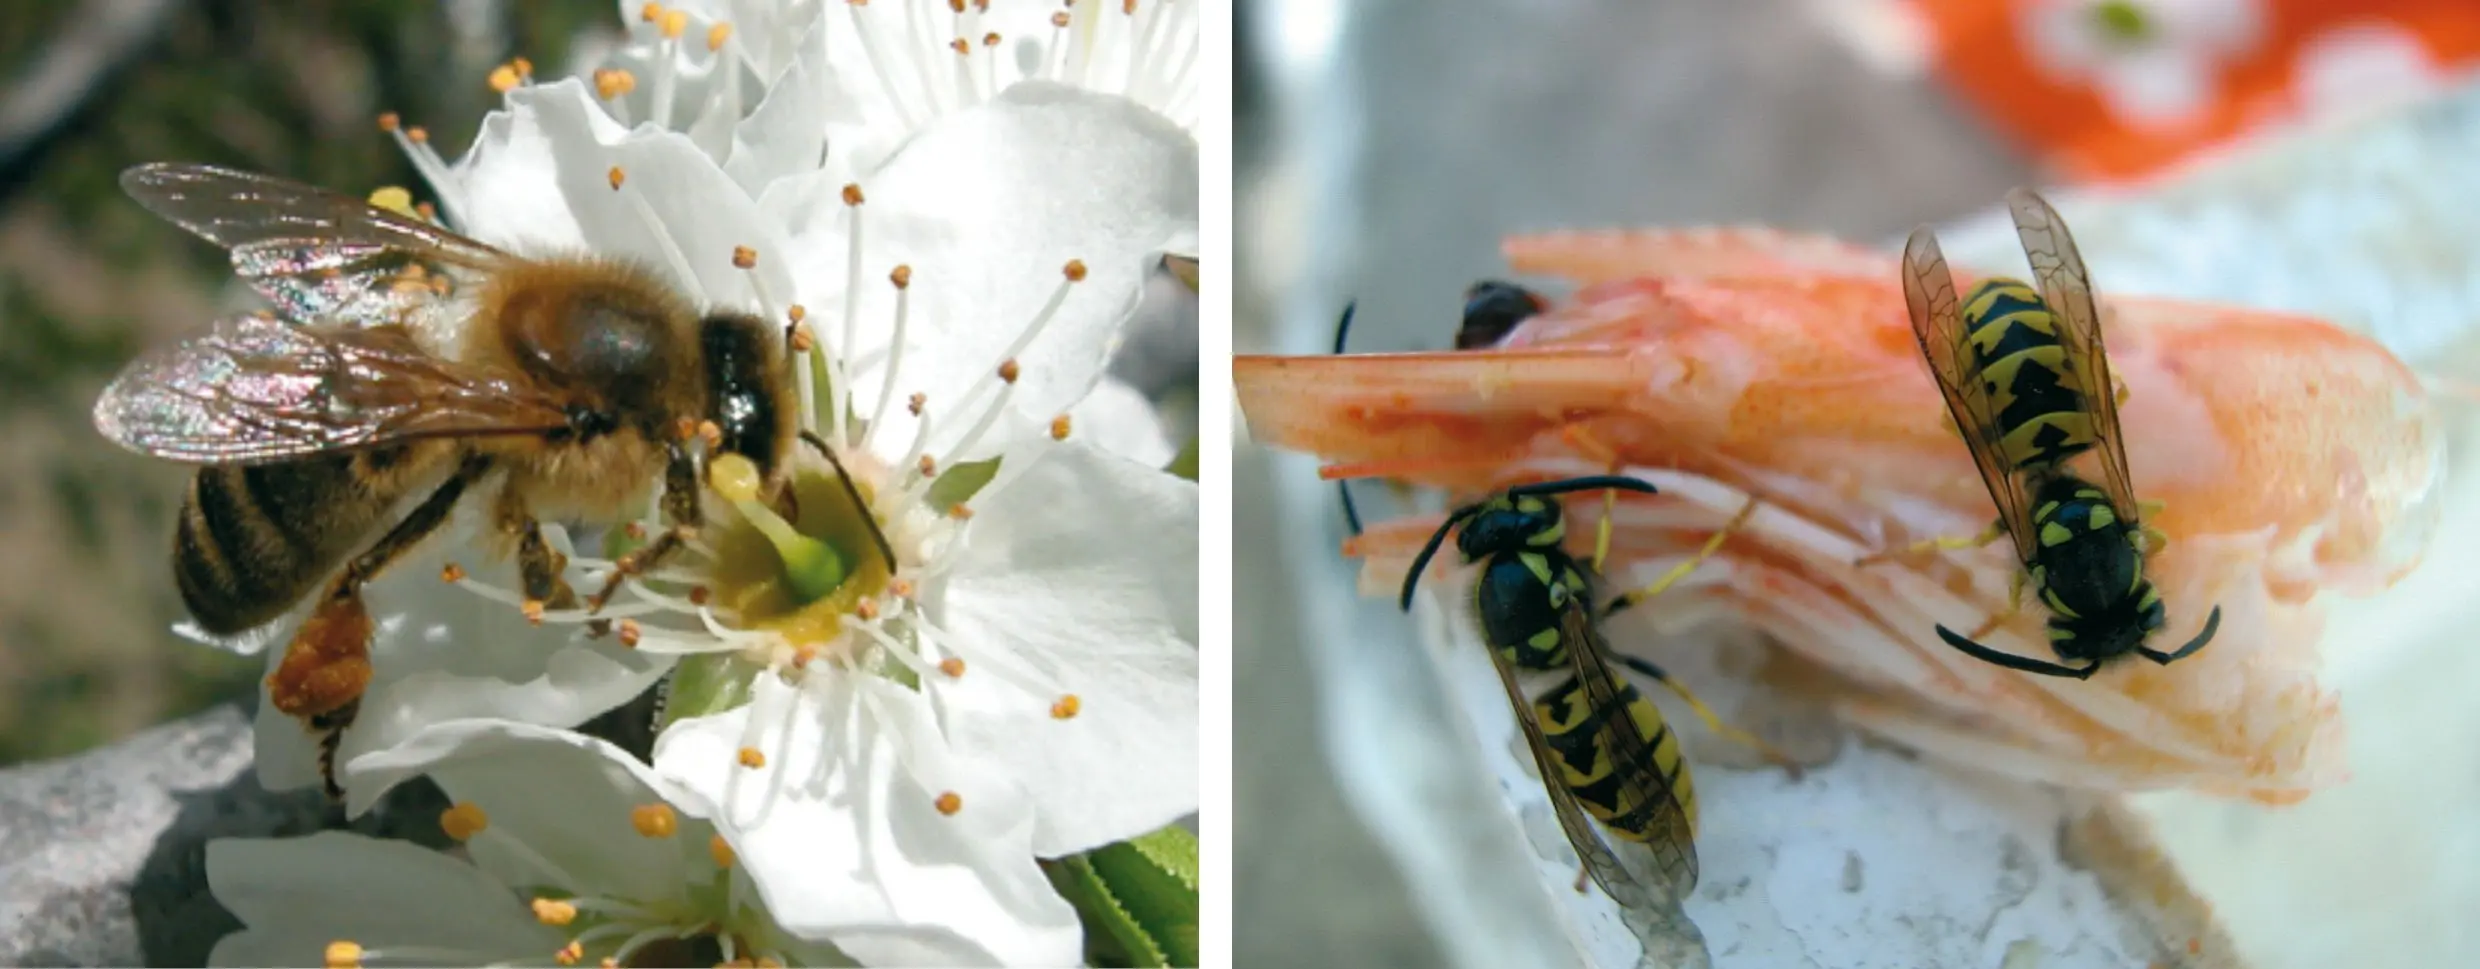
2024,371
1612,792
253,540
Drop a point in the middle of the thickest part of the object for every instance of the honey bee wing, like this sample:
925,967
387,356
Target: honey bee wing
1645,784
258,389
1937,325
316,254
2067,288
1617,878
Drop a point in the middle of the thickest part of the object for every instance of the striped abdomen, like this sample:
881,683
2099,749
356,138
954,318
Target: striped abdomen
2024,370
1576,732
255,539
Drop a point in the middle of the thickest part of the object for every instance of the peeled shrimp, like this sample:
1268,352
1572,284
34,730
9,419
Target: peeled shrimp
2289,456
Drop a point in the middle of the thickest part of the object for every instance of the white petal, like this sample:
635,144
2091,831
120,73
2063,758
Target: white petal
565,796
1118,419
852,849
987,206
296,895
787,134
1085,569
674,204
507,192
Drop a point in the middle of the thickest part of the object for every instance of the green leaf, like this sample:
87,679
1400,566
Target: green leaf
960,482
707,684
1138,896
1184,463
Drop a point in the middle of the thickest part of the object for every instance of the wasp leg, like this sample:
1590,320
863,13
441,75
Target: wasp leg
1995,531
680,507
1712,545
1713,721
2212,622
2015,583
327,665
1584,876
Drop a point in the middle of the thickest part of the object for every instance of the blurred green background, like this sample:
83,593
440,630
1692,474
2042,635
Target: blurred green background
87,278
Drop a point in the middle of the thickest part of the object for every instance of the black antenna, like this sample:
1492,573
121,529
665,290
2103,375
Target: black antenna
853,491
1351,514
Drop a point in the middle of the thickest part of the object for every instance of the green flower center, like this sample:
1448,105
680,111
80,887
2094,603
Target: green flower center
797,577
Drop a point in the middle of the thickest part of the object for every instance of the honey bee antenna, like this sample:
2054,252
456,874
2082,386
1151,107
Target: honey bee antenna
853,491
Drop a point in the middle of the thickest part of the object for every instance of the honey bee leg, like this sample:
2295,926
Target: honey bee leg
1995,531
1713,721
1712,545
327,665
680,507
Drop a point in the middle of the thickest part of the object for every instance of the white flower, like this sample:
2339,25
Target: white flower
2152,61
2364,68
573,852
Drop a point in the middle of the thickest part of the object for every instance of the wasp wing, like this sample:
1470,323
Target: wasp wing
258,389
317,254
2067,288
1668,850
1617,878
1937,325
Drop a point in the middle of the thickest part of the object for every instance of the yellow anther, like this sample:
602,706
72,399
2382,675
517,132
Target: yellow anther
552,911
799,339
343,955
650,13
952,666
752,758
463,820
1074,270
916,402
654,820
451,573
744,257
722,850
1066,707
717,35
533,610
1059,428
616,176
928,466
504,79
631,633
949,803
959,511
852,194
902,276
388,121
675,23
1008,370
393,199
570,953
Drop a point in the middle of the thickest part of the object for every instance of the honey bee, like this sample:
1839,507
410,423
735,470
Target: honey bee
2028,382
408,358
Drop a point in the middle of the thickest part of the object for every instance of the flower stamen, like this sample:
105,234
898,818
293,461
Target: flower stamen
902,279
416,144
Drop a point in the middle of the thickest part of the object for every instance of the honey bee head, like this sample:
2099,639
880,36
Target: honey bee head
747,393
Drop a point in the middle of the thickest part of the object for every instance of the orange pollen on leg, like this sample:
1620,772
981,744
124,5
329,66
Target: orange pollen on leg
852,193
952,666
752,758
451,573
1009,371
916,402
949,803
654,820
744,257
902,276
343,954
1067,706
630,633
463,820
722,850
552,911
1075,270
1059,428
929,466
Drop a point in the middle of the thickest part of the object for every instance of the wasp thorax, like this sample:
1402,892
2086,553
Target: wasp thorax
798,577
